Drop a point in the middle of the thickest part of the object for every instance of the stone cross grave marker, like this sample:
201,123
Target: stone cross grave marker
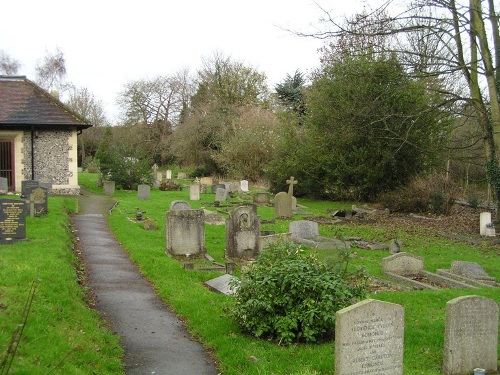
185,232
4,185
194,192
291,182
37,200
283,206
242,233
144,192
12,220
471,335
369,339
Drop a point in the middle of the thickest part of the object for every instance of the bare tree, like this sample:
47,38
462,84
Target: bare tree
51,72
8,65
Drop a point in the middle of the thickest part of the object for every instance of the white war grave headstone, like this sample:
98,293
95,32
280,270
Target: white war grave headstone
369,339
471,335
244,186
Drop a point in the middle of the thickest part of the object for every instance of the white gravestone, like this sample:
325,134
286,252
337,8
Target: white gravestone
484,220
244,186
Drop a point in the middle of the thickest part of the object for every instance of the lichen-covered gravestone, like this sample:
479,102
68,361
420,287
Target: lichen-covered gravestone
369,339
221,195
242,233
283,206
179,205
185,232
194,192
471,335
109,187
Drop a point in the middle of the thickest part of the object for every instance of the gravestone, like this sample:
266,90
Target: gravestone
216,187
109,187
244,186
402,264
261,198
221,195
179,205
470,270
26,184
208,181
37,200
222,284
185,232
168,174
304,229
283,206
46,185
194,192
144,192
12,220
484,220
471,335
181,176
242,233
4,185
291,182
369,339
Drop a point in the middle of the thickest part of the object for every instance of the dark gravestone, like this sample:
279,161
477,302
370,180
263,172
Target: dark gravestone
12,220
218,186
28,184
4,185
37,200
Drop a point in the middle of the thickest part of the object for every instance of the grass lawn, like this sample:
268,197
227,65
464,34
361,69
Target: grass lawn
205,311
61,334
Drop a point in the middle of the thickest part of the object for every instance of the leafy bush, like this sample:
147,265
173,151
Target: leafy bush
169,185
290,296
434,193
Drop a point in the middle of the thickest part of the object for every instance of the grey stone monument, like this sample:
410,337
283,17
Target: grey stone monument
369,339
194,192
4,185
179,205
243,233
109,187
221,195
185,231
283,206
471,335
144,192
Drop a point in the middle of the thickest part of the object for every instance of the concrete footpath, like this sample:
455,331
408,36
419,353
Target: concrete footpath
154,339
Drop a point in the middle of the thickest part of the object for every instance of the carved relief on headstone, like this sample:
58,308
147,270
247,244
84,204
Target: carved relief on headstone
242,233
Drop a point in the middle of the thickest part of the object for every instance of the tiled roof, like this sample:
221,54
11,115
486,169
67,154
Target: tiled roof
23,103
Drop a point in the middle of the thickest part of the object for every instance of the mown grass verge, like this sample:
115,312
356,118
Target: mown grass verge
61,334
205,312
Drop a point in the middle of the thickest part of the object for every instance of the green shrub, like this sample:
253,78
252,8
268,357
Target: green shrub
290,296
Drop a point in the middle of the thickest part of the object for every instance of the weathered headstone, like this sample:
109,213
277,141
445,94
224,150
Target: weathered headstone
12,220
26,184
179,205
261,198
306,229
185,232
206,181
242,233
471,335
194,192
306,232
283,206
181,175
244,186
369,339
168,174
222,284
221,195
109,187
37,199
402,264
144,192
484,220
216,187
470,270
4,185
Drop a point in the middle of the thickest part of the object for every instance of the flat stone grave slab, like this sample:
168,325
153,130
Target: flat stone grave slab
306,232
469,272
409,269
221,284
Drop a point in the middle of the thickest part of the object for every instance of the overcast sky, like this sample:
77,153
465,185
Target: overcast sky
107,43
